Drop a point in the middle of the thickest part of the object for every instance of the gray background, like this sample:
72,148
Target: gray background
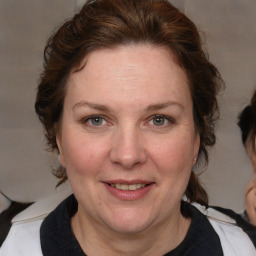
25,167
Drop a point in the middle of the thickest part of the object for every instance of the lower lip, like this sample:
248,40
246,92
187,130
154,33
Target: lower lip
129,195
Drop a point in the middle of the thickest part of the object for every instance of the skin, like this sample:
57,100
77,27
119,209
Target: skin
250,198
251,153
125,88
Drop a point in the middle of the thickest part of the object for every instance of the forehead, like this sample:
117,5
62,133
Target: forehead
137,54
135,71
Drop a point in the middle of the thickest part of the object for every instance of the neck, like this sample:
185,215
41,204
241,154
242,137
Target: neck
155,240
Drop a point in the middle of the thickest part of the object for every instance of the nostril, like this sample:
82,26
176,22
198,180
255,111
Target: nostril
128,160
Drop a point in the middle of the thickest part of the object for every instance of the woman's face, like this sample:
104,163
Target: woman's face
127,137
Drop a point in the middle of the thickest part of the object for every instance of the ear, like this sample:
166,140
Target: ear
196,147
60,148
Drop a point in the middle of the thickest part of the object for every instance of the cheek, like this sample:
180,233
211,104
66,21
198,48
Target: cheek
174,154
84,156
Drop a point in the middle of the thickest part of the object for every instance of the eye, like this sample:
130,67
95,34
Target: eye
160,120
95,120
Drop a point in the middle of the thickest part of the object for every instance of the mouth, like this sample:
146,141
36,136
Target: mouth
129,190
128,187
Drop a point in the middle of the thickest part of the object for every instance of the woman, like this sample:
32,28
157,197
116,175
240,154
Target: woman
247,124
128,99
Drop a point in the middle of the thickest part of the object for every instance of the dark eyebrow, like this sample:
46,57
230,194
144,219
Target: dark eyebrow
91,105
163,105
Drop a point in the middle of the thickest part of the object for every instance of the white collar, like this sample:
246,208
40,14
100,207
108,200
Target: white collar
40,209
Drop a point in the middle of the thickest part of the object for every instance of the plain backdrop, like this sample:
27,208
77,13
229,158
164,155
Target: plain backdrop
229,31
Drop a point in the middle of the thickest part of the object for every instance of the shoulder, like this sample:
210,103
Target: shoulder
234,240
241,221
24,235
40,209
23,239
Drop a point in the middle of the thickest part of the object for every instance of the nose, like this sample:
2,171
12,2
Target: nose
128,149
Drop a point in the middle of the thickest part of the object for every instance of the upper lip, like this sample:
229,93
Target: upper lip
128,182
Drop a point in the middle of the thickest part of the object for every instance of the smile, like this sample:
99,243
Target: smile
129,190
127,187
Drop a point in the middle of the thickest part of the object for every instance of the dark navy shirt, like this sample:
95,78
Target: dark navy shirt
57,238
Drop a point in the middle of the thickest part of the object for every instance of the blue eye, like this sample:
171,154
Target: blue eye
95,120
160,120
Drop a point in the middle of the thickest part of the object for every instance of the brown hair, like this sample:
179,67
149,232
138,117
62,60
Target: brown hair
247,122
109,23
253,128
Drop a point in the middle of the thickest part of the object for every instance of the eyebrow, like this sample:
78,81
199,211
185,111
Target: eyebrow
91,105
163,105
104,108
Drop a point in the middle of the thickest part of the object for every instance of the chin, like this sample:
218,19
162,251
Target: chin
129,228
129,222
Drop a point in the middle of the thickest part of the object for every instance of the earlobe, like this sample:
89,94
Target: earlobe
196,148
194,160
61,156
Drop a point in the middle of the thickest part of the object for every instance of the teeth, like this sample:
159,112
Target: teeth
132,187
139,185
128,187
124,187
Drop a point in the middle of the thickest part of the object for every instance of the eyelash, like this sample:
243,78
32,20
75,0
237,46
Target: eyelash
93,117
169,119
